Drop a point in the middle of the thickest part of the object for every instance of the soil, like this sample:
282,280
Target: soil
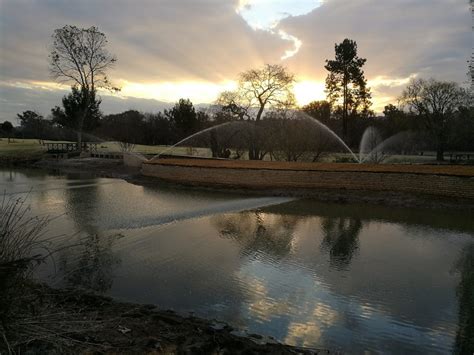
72,321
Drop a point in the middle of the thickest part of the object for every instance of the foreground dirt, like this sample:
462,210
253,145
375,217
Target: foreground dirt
70,321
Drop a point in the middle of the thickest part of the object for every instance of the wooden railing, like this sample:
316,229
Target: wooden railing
55,148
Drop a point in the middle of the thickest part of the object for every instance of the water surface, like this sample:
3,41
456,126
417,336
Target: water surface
344,277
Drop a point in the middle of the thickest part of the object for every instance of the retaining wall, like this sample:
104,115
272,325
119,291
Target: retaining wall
441,181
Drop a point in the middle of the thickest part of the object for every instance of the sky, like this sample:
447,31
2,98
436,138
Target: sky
170,49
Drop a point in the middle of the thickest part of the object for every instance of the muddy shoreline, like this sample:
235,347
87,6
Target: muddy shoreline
71,321
115,169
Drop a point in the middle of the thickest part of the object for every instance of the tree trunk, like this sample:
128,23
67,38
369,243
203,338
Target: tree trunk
82,118
253,153
259,113
440,153
441,140
344,111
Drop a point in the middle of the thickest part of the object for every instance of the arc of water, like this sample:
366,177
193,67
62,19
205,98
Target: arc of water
194,135
306,116
371,136
384,143
330,131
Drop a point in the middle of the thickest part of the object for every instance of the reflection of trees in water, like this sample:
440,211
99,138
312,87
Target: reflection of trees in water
341,239
259,232
465,291
82,205
90,264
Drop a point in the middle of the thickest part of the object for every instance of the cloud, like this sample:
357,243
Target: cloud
399,38
41,99
153,40
209,42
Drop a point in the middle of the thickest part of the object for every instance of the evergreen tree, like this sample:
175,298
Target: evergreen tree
71,114
184,118
346,86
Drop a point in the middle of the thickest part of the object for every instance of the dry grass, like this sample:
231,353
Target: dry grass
29,316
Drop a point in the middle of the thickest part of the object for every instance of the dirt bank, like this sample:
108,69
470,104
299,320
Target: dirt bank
72,321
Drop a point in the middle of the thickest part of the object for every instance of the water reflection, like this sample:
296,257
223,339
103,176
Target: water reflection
82,205
341,239
350,277
258,232
89,264
465,292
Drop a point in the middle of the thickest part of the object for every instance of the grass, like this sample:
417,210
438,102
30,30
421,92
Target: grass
29,317
20,148
20,241
31,149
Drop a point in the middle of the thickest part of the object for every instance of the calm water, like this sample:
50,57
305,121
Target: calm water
344,277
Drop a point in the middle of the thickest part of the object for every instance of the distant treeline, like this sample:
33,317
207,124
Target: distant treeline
171,126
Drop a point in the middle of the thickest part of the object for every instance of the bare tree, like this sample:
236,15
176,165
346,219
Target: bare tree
79,57
269,87
234,103
436,103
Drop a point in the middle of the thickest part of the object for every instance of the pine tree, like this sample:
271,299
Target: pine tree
346,86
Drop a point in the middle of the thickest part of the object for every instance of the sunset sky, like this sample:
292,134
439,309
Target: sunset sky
168,49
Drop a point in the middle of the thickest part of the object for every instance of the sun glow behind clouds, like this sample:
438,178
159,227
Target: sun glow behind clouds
265,15
197,92
205,92
307,91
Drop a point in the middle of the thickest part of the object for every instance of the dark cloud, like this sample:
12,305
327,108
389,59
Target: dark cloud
398,37
15,100
206,40
153,40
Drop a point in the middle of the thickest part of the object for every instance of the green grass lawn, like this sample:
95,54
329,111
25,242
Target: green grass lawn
31,148
21,148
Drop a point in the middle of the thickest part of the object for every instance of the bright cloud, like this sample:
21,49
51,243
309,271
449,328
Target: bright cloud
196,91
170,49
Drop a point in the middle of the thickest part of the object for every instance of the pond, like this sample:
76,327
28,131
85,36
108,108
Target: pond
338,276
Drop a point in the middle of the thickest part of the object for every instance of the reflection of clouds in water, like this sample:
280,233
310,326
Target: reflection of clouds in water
325,314
303,334
260,305
287,299
273,270
309,330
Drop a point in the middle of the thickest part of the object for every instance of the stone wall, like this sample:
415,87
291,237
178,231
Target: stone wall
133,160
425,183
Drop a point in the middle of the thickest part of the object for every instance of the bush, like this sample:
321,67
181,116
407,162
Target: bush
20,241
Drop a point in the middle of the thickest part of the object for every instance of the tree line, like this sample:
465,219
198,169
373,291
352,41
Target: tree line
440,113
